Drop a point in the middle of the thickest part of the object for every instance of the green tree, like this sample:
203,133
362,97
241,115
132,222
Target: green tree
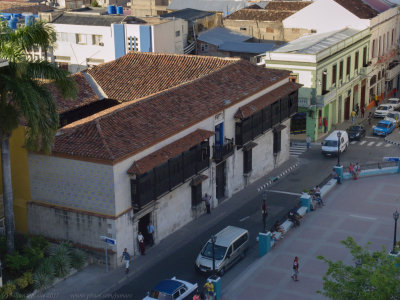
24,99
375,275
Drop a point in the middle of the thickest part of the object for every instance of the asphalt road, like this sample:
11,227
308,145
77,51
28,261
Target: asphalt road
313,169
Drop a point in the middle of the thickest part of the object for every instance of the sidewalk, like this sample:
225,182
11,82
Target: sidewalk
93,282
354,208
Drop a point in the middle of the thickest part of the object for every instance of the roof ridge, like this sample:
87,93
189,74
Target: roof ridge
100,131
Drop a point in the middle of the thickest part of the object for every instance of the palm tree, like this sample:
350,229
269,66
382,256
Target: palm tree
25,100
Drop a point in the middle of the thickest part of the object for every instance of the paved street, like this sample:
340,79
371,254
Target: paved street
362,209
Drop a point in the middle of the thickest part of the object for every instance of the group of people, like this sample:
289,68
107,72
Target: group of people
207,293
356,112
354,170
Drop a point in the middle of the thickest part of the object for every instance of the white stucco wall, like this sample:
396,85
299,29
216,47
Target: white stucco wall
71,183
165,39
324,16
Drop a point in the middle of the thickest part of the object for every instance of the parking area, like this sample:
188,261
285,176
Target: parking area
362,209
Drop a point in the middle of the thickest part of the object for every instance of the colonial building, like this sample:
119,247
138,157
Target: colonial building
330,67
186,125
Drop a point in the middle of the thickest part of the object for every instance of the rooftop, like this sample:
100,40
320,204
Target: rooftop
220,35
359,7
315,43
88,19
126,129
188,14
225,6
34,9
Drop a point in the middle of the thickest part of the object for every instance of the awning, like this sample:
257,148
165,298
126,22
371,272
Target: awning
198,179
279,128
248,146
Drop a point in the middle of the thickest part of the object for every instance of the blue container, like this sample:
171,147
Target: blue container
12,23
112,10
120,10
17,15
29,20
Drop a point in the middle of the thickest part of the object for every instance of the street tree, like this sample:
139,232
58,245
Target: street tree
374,275
25,100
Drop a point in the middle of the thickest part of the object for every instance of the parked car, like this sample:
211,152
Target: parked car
172,289
383,110
230,245
383,127
394,117
395,102
356,132
329,146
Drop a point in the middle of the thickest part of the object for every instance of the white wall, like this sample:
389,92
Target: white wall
165,39
324,16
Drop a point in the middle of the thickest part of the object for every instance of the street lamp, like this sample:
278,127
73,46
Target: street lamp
339,135
213,239
395,217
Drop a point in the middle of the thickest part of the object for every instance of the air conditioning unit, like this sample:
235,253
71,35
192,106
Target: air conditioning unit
101,44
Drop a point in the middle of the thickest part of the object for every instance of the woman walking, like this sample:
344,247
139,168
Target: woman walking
295,269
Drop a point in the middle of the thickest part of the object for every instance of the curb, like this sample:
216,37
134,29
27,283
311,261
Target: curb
281,175
390,141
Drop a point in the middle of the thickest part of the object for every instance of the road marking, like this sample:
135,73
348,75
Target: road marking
362,217
380,143
353,142
371,137
388,145
244,219
283,192
370,143
363,142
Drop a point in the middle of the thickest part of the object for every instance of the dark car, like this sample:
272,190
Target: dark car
356,132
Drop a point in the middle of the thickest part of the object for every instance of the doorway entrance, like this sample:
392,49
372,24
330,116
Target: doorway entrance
220,180
142,227
347,108
340,110
363,88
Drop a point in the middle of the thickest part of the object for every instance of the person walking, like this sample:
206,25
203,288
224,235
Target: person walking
308,141
369,118
295,269
150,232
142,247
325,125
207,200
210,290
264,211
362,111
353,116
357,109
356,171
196,296
126,257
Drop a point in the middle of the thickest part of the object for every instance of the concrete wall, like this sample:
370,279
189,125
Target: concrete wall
165,39
258,29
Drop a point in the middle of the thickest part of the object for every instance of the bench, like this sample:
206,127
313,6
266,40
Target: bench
302,211
287,225
276,234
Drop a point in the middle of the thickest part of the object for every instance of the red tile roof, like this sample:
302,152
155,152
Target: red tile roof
26,7
85,96
359,8
164,154
137,75
265,100
126,129
274,11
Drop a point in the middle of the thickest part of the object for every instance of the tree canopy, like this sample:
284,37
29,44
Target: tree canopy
374,275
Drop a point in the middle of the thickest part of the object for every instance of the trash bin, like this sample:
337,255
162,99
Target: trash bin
216,281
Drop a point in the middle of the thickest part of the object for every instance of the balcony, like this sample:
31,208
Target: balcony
393,72
222,152
364,71
325,99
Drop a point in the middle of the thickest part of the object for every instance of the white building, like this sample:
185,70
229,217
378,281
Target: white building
189,125
89,37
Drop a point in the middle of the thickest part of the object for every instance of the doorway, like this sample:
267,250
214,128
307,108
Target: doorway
340,110
363,88
220,180
142,227
347,108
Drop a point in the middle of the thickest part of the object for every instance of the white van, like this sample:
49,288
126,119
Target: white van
330,144
231,244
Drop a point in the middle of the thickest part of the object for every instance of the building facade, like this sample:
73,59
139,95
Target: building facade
145,160
330,66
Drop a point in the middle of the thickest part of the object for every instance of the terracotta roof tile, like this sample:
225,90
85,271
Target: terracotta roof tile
359,8
265,100
85,96
164,154
26,8
11,4
126,129
274,11
137,75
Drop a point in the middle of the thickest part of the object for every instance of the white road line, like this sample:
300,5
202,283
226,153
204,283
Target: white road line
371,137
363,142
283,192
370,143
388,145
362,217
244,219
353,142
380,143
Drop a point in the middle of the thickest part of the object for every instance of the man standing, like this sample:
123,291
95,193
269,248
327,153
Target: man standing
210,290
325,125
362,111
150,232
308,141
141,243
126,257
295,269
207,200
264,212
353,116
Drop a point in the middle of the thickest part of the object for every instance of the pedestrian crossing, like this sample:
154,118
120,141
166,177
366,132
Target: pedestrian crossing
297,150
371,143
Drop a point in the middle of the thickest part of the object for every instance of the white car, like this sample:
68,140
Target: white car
172,289
395,102
393,116
383,110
